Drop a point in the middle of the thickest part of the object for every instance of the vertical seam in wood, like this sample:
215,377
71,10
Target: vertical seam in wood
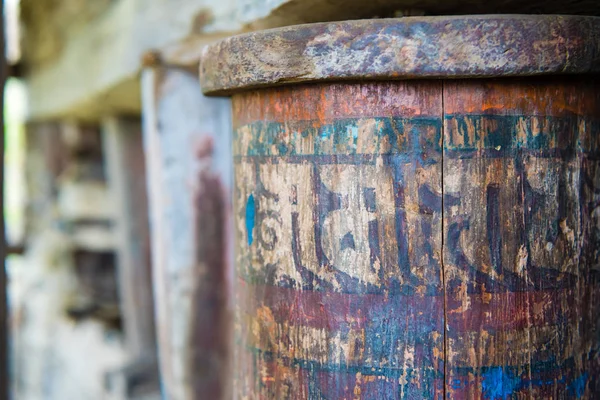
445,323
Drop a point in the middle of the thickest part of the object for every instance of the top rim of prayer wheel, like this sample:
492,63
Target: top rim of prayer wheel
475,46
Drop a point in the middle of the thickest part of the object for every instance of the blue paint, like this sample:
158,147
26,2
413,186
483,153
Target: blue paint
577,387
283,149
326,132
250,218
498,384
353,132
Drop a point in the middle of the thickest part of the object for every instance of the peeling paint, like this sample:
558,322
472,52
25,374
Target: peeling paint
348,257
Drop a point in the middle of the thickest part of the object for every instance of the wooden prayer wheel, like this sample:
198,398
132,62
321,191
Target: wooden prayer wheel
416,207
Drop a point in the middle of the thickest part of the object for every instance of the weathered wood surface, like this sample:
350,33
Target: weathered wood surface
370,216
521,238
338,224
416,238
413,47
188,140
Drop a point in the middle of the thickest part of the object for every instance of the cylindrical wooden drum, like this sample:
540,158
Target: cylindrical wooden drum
417,207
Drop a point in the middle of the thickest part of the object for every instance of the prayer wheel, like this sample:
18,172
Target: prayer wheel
416,207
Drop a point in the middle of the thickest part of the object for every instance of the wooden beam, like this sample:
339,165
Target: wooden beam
97,67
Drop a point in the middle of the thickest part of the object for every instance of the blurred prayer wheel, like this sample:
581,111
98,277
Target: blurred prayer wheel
416,207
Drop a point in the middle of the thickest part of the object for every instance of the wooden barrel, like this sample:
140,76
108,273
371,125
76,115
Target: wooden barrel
416,207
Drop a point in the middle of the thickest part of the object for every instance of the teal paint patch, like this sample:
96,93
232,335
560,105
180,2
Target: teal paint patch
354,130
340,137
515,132
498,384
250,218
499,134
577,386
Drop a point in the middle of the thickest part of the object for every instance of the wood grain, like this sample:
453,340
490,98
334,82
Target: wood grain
404,48
369,216
400,237
338,226
521,238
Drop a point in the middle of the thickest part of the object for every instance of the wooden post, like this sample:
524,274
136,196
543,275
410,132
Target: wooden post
187,141
126,173
408,237
123,150
4,361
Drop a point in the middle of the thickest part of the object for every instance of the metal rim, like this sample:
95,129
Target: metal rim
404,48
